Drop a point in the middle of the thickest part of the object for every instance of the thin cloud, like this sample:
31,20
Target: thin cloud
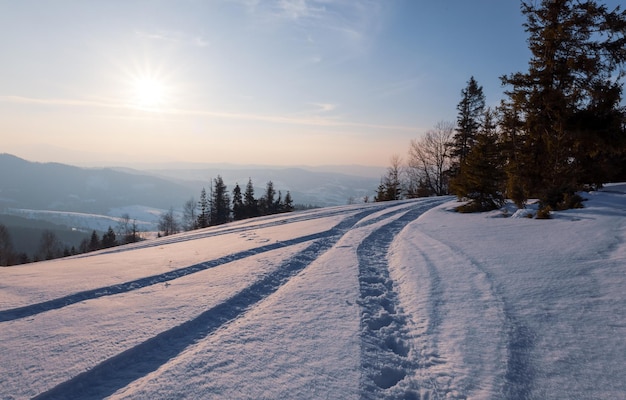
175,37
311,120
324,107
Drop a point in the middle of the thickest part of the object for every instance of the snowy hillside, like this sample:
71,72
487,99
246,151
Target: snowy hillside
398,300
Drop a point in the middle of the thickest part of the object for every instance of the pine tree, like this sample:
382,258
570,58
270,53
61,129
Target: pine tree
288,204
469,121
278,204
250,204
381,192
220,203
204,215
238,207
6,247
109,239
568,103
267,202
482,178
94,242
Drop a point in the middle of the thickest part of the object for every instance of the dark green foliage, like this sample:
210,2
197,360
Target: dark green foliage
563,122
482,177
238,207
250,204
390,187
220,203
109,239
288,204
204,217
7,255
469,121
94,242
267,203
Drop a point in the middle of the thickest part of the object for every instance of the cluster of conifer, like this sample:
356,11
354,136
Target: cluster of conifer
561,127
217,207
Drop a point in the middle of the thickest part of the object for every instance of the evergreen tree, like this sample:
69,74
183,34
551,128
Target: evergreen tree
204,215
469,121
94,242
267,204
250,204
568,103
278,204
6,247
220,203
482,178
288,204
238,206
109,239
381,192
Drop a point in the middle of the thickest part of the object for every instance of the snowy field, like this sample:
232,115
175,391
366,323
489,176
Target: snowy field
398,300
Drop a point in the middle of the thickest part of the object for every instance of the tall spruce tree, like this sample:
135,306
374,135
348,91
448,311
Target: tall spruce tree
204,217
250,204
238,207
267,202
220,202
482,178
471,109
567,106
288,203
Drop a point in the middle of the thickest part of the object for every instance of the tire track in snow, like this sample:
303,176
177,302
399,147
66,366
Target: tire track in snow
124,287
385,348
117,372
223,230
519,374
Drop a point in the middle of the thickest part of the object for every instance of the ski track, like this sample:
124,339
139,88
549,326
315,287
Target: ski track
385,352
116,372
517,382
124,287
274,220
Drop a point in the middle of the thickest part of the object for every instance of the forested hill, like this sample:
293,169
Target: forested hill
53,186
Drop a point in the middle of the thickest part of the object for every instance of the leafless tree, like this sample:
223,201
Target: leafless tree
168,225
49,245
190,217
429,159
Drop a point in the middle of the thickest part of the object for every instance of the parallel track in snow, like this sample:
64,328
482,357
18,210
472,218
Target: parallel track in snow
118,371
125,287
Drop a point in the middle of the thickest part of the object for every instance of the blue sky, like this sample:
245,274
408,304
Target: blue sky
307,82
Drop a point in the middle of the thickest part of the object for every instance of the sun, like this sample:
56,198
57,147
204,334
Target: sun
149,93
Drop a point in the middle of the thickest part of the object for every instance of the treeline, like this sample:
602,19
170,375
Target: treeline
51,247
560,129
219,207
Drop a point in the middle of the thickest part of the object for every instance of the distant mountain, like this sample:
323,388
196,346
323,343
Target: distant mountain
53,186
60,187
306,187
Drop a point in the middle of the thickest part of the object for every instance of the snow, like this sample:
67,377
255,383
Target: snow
397,300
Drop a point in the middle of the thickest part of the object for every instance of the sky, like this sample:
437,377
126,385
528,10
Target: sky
276,82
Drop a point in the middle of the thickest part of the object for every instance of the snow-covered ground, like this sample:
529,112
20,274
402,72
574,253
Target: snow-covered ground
398,300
